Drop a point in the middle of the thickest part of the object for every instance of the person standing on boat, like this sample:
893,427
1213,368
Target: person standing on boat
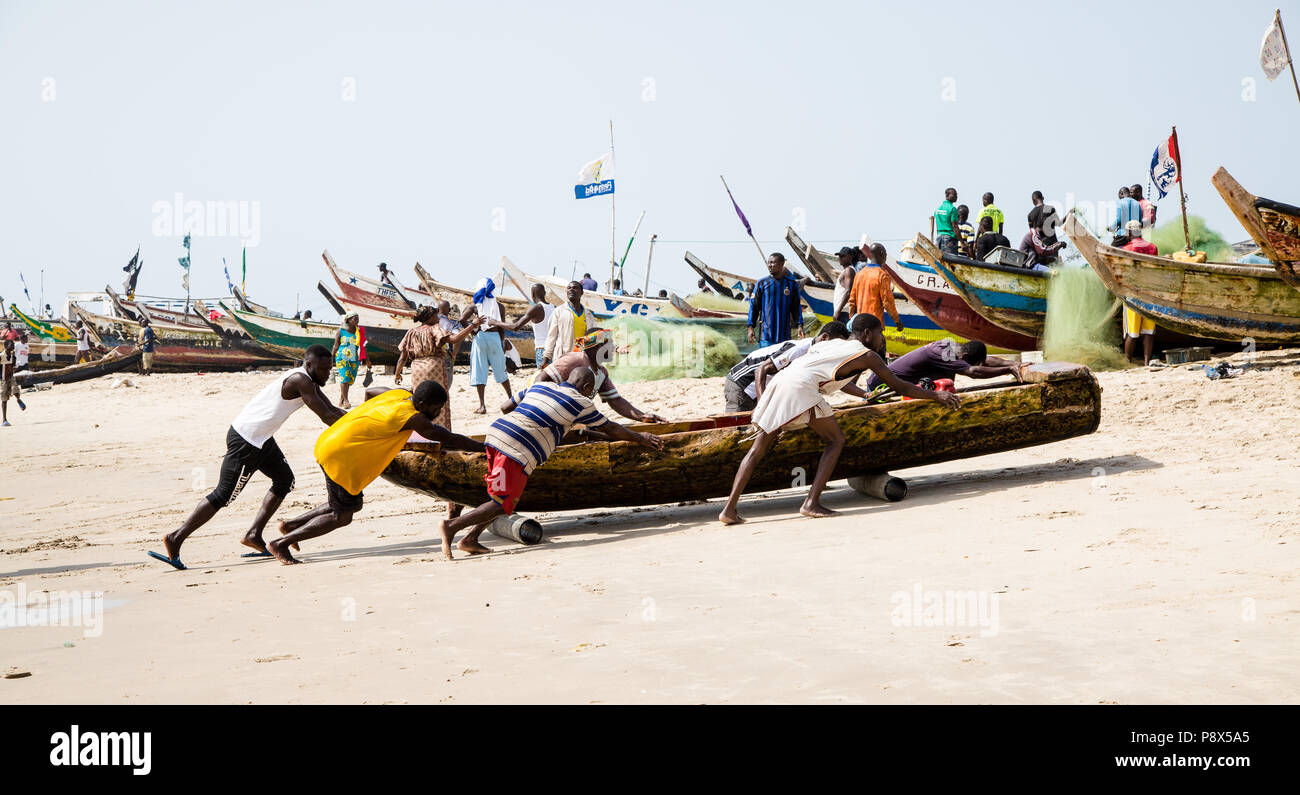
873,290
794,399
568,323
617,288
488,350
349,352
775,306
1148,207
539,317
1126,209
1136,325
83,342
251,447
589,284
522,440
594,351
945,223
991,211
355,450
147,340
849,258
966,243
987,240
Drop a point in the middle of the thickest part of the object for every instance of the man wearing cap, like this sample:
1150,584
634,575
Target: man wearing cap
594,350
1136,325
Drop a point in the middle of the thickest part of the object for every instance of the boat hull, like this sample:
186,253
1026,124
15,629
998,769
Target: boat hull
288,337
945,308
699,459
1274,226
1220,301
177,348
112,363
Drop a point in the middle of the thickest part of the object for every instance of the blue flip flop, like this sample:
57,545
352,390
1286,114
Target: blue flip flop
257,555
175,564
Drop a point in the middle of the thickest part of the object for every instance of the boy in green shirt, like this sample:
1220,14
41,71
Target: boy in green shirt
946,223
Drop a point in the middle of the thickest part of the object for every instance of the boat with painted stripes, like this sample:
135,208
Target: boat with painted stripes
1219,300
1008,297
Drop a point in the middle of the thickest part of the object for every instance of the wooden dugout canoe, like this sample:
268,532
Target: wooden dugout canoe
699,458
178,348
372,292
1273,225
1218,300
112,363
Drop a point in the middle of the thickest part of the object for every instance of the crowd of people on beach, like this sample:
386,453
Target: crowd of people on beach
784,384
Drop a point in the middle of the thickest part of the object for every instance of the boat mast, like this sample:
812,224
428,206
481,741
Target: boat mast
1182,197
1277,14
613,257
646,291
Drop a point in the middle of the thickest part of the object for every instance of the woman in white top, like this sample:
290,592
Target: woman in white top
794,399
539,317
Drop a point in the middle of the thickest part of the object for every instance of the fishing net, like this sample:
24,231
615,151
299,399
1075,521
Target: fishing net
1168,238
659,350
1081,323
717,302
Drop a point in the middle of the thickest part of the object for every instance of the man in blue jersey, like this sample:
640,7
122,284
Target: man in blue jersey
522,440
775,306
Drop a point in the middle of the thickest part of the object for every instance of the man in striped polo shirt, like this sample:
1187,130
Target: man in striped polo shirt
522,440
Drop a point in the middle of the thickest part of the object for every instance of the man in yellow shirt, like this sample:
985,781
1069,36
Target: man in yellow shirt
873,292
356,449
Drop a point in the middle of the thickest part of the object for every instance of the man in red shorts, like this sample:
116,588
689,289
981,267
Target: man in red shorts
522,440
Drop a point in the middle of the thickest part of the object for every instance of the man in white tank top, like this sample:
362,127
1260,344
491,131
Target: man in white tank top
539,317
794,400
251,447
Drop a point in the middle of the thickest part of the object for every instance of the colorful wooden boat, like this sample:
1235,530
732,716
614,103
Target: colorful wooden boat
51,343
288,337
823,266
699,458
603,304
234,335
1273,225
461,300
1008,297
1222,301
177,348
363,290
114,362
932,294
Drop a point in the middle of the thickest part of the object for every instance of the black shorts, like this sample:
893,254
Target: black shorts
340,500
241,461
737,400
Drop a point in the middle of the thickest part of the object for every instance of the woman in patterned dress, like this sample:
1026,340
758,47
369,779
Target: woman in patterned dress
427,348
349,352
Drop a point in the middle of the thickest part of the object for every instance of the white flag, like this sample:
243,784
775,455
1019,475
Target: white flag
598,170
1273,55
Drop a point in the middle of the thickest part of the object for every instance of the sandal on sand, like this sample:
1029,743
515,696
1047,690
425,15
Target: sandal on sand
175,564
257,555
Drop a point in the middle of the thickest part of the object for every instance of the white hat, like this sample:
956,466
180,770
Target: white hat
1134,228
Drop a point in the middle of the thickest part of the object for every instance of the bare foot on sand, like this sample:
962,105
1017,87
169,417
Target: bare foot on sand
816,510
480,410
730,517
447,536
472,547
285,530
276,548
254,542
173,547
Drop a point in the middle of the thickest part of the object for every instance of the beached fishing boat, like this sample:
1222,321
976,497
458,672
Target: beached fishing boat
371,292
114,362
932,294
1273,225
1219,300
699,458
729,285
390,325
52,344
823,266
1008,297
234,335
460,299
288,337
603,304
177,348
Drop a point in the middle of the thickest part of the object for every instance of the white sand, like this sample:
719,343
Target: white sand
1153,561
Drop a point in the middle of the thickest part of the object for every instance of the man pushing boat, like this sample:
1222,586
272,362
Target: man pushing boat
354,452
522,440
251,447
793,399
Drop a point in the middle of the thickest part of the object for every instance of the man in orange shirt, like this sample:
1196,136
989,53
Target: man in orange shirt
873,292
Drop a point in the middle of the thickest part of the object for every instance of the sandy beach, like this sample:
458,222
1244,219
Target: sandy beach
1151,562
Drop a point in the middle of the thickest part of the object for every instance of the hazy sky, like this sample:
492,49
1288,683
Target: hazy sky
452,133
